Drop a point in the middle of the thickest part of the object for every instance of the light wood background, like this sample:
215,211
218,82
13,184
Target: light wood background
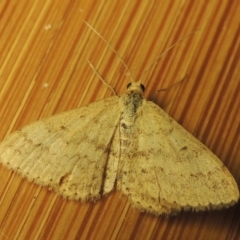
44,48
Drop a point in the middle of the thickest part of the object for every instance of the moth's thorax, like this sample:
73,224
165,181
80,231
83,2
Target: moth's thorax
130,102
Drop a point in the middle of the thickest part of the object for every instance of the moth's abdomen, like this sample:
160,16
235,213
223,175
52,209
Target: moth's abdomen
125,134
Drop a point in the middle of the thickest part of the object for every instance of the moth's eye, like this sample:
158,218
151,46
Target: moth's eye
142,87
129,85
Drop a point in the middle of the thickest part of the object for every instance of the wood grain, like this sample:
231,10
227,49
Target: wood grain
44,48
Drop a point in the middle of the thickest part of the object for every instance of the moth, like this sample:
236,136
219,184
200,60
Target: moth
124,141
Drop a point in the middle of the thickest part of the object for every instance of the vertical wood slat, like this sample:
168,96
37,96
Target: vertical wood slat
44,47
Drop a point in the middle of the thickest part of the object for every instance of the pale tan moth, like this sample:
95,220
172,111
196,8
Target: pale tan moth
125,141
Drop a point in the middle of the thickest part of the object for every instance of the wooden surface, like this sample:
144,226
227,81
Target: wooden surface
44,48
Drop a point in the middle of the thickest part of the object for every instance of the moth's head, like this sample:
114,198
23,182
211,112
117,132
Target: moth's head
135,86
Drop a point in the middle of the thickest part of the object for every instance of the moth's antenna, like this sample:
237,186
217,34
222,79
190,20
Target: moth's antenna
101,78
166,52
125,65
